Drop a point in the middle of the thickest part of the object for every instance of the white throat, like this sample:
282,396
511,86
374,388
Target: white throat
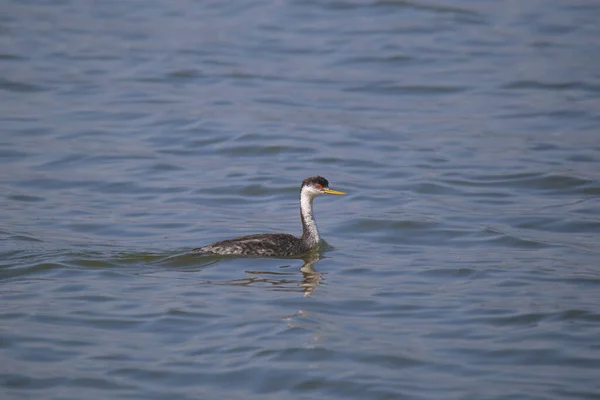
310,231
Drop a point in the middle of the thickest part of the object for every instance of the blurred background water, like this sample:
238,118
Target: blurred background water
462,264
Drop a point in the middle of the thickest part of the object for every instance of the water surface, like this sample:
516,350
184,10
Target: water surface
462,264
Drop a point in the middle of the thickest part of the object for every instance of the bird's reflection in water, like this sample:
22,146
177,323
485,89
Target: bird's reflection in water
285,281
311,277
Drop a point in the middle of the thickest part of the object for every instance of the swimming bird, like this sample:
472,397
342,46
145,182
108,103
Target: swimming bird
280,244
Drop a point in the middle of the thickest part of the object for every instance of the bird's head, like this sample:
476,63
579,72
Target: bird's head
317,185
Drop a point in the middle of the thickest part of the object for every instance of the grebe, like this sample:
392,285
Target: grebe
280,244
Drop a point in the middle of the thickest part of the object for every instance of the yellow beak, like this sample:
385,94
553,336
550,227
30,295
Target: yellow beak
329,191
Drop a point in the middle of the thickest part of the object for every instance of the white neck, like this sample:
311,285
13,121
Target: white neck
309,226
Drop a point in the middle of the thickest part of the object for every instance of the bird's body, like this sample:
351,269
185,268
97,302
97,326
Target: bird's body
280,244
261,244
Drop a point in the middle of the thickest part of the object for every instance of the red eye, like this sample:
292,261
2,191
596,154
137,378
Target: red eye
319,186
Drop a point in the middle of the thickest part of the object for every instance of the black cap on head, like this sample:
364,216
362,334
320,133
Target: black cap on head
315,180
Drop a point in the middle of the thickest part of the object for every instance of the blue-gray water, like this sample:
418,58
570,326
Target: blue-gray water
464,263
